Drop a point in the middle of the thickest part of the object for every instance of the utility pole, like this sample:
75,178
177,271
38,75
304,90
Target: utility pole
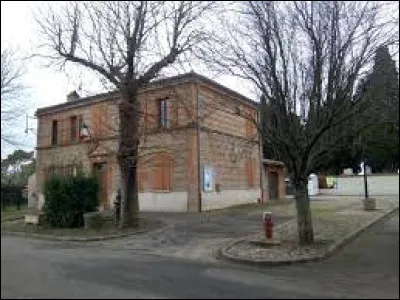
364,155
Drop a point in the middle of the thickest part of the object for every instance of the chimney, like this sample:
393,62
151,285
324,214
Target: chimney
73,96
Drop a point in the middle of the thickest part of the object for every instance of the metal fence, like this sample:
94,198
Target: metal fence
13,196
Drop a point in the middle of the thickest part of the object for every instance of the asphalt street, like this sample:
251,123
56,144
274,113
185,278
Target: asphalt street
366,268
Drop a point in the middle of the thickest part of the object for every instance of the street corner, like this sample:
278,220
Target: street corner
331,233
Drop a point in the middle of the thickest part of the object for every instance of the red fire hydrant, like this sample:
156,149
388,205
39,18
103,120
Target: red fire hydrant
268,225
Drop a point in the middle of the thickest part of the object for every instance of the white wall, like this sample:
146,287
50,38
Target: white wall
378,185
177,201
214,200
40,202
32,199
171,202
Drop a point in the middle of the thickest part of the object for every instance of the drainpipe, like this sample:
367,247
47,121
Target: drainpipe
261,156
198,150
365,181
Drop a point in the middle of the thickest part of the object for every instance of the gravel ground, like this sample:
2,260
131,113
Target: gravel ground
331,224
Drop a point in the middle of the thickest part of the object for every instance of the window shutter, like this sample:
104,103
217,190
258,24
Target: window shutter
161,171
153,114
157,177
55,138
99,120
73,128
95,121
61,132
249,128
174,113
64,131
250,173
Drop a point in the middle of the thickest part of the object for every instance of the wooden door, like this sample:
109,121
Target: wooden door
273,185
250,174
100,170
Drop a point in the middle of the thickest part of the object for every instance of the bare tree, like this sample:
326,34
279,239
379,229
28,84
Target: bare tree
12,106
127,43
306,59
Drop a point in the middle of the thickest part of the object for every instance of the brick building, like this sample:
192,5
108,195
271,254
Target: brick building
198,149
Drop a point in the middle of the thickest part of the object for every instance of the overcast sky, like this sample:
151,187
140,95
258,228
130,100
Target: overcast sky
47,86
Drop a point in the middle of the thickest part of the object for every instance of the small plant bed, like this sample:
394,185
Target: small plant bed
108,230
332,228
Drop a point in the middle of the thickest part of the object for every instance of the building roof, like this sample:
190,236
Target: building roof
183,78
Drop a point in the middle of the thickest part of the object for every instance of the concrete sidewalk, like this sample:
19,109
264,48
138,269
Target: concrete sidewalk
192,236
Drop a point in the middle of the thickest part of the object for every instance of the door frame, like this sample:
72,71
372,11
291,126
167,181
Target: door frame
103,194
273,185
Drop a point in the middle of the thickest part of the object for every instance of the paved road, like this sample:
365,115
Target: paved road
191,236
367,268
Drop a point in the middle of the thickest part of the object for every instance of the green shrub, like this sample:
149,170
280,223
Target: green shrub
67,198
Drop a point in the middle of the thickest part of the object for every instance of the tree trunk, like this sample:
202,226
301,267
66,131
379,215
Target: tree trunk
304,221
130,200
128,152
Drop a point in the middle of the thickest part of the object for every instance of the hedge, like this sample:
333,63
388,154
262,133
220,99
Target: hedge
67,198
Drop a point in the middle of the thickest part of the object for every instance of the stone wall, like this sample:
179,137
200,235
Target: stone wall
378,185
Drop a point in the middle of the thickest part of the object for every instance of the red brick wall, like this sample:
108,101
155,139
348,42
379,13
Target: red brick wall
221,129
229,141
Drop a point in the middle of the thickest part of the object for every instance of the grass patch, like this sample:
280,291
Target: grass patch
108,229
11,212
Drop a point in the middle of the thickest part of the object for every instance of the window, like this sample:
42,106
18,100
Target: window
54,136
73,128
63,170
80,123
208,179
163,109
83,131
67,170
158,174
250,128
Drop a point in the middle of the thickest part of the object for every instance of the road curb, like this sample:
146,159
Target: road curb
223,251
12,219
78,239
